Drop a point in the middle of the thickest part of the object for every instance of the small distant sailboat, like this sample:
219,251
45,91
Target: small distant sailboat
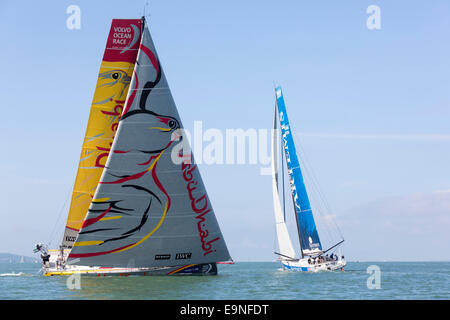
134,209
312,257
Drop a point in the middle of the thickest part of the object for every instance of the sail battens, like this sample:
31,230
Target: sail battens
111,218
99,242
173,215
90,195
167,207
112,67
120,49
87,243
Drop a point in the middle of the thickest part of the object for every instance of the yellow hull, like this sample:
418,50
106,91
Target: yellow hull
190,269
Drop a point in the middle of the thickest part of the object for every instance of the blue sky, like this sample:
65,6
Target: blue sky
370,108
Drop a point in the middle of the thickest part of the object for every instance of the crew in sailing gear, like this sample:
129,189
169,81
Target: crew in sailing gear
44,254
45,259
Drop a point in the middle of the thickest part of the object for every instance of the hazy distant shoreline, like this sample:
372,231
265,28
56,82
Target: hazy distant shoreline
16,258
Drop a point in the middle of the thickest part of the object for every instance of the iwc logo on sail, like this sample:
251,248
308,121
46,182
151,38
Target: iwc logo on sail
183,255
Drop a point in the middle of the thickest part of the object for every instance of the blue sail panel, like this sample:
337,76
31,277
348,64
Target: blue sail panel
309,237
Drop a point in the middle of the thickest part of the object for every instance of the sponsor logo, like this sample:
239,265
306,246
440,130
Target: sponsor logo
162,257
183,255
199,205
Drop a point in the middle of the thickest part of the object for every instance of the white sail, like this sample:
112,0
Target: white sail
284,241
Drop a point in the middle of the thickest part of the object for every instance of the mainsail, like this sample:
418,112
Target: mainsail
308,235
112,87
284,241
151,207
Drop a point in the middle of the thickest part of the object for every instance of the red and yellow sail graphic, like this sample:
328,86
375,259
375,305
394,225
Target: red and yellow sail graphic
107,105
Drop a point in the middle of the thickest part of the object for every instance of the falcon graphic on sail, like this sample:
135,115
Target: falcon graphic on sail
148,214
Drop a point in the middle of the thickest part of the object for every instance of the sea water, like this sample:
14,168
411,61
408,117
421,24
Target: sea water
243,280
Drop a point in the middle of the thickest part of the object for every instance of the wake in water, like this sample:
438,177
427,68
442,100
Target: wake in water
12,274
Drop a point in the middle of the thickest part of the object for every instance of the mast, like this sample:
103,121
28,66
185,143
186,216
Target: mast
293,201
308,235
298,230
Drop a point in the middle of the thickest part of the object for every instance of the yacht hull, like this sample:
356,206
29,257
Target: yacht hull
207,269
303,265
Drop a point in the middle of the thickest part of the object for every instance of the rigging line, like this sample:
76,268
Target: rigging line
145,6
275,172
316,184
332,247
275,158
51,237
317,191
282,255
275,240
317,201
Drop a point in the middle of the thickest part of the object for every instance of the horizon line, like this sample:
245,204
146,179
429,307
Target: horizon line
377,136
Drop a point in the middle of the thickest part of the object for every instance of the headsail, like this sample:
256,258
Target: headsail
109,98
284,241
149,210
309,237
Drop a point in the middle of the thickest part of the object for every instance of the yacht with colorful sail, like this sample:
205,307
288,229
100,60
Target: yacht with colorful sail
139,205
312,256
